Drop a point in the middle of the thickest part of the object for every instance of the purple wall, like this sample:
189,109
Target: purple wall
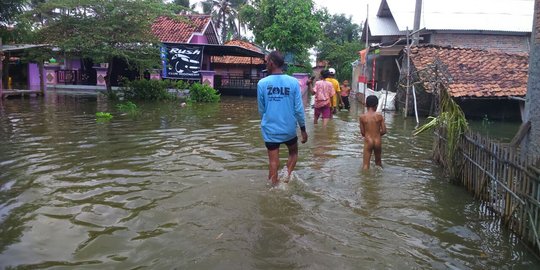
199,39
74,64
33,76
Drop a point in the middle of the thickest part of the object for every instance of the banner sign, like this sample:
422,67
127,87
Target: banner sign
181,61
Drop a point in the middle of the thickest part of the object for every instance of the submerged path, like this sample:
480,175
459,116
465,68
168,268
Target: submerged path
185,188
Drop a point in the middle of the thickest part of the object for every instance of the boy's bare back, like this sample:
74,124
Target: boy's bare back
372,127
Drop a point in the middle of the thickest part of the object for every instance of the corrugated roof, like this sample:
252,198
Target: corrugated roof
20,47
465,15
383,26
472,72
179,29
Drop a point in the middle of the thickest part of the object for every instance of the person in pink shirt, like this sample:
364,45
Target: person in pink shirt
323,91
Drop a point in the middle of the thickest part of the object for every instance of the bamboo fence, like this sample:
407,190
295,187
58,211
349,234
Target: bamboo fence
506,182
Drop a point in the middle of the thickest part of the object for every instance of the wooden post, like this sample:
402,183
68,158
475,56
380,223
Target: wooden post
417,13
406,111
1,69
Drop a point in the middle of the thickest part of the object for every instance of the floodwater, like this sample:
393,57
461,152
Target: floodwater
185,188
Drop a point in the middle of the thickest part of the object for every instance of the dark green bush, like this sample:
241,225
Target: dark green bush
148,90
203,93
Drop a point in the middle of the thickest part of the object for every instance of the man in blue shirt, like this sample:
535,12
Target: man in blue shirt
281,109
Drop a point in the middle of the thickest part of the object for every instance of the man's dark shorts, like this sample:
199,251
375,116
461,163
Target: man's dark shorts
274,146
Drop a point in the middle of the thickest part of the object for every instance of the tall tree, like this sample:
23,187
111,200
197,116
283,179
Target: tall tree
103,30
225,16
533,86
287,25
340,29
9,9
182,3
340,44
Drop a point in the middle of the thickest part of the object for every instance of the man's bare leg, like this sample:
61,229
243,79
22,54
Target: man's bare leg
273,158
291,161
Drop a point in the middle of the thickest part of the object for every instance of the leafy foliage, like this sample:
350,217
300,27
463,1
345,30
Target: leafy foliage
340,56
101,29
299,69
340,28
148,90
287,25
128,107
9,9
182,3
451,123
203,93
225,16
340,44
103,116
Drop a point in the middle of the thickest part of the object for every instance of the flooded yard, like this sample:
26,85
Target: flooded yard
185,187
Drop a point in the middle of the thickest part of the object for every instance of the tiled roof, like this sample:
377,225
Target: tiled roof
472,72
239,59
179,29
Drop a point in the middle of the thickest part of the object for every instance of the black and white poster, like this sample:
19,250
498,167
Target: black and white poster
181,61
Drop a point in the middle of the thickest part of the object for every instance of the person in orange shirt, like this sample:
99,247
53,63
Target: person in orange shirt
336,99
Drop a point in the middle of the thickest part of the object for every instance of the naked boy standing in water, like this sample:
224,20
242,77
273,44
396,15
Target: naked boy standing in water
372,128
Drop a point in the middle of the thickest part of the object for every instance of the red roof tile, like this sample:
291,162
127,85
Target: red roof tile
179,29
473,72
239,59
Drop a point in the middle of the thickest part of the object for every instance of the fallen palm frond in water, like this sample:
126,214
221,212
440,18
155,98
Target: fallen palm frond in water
450,124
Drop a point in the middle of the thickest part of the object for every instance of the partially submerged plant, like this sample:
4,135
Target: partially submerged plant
128,107
103,116
450,125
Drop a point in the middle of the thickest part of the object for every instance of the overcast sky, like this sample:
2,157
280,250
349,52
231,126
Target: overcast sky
354,8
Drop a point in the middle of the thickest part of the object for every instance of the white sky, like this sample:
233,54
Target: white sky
354,8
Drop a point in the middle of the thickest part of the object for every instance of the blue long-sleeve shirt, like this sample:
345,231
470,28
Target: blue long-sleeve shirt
280,107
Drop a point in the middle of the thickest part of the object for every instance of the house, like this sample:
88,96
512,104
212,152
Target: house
484,83
191,51
188,42
238,74
490,25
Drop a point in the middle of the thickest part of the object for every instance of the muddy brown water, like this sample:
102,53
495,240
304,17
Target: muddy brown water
185,188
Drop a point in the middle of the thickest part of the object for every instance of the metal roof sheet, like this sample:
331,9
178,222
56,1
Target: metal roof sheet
480,15
20,47
383,26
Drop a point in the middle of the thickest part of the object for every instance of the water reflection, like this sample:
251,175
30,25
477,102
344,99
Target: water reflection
185,187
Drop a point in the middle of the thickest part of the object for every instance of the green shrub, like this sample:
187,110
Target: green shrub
103,117
148,90
203,93
127,107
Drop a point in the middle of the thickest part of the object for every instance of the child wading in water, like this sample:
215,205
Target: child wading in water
372,128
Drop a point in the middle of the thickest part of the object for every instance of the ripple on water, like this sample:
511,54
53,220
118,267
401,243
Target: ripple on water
186,188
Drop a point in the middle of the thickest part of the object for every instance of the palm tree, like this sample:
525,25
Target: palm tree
225,15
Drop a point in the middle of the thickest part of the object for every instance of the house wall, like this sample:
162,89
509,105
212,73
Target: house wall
33,76
199,39
234,69
510,44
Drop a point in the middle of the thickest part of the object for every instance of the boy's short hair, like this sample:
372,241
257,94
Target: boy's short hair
372,101
324,73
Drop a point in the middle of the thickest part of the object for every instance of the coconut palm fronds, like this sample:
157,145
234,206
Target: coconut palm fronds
450,124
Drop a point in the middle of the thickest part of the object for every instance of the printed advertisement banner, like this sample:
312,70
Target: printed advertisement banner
181,61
